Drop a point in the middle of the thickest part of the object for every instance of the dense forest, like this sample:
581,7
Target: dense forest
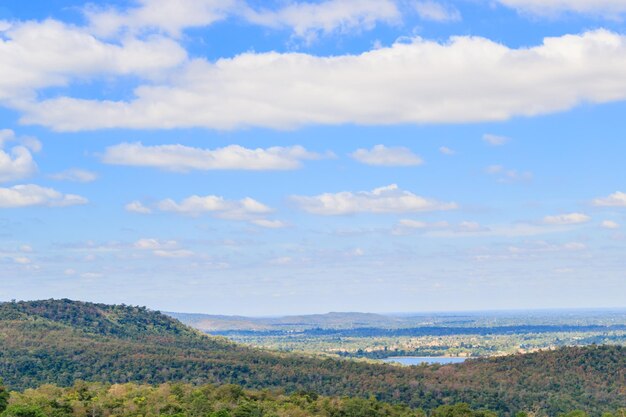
184,400
62,341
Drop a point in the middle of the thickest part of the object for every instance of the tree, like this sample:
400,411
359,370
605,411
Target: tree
4,397
23,411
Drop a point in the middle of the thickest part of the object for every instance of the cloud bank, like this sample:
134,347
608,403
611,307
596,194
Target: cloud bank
184,158
467,79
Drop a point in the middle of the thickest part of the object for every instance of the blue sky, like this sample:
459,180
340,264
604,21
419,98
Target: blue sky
284,157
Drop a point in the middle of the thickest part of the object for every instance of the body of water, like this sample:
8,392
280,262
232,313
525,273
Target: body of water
417,360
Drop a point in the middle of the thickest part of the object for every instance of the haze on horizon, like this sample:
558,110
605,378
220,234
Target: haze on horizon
275,158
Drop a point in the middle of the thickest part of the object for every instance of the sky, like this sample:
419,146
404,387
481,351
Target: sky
288,157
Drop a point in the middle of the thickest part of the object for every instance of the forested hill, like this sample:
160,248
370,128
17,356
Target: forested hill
61,341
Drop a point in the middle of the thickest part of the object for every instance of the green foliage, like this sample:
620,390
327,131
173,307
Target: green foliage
460,410
4,397
23,411
182,400
61,341
186,400
575,413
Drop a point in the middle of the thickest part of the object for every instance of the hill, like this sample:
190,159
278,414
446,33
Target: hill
61,341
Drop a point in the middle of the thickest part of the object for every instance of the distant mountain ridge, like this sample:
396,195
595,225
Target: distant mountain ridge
61,341
356,320
332,320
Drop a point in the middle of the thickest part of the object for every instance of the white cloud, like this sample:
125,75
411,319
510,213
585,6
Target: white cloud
166,16
495,140
610,224
384,156
389,199
409,226
446,151
22,260
468,79
308,20
437,12
417,224
246,209
151,244
174,254
435,228
137,207
603,8
75,175
617,199
184,158
31,143
565,219
16,164
34,195
269,224
506,175
5,136
545,247
37,55
163,248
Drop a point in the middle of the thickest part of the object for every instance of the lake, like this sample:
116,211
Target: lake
417,360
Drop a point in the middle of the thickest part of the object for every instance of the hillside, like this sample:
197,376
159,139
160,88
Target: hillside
61,341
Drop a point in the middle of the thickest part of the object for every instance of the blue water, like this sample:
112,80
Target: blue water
416,360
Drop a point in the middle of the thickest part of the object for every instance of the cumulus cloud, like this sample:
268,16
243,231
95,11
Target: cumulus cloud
184,158
437,12
16,164
389,199
151,244
37,55
467,79
417,224
229,209
405,226
137,207
495,140
309,19
610,224
602,8
382,155
174,254
446,151
34,195
617,199
163,248
75,175
269,224
565,219
157,15
306,20
246,209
